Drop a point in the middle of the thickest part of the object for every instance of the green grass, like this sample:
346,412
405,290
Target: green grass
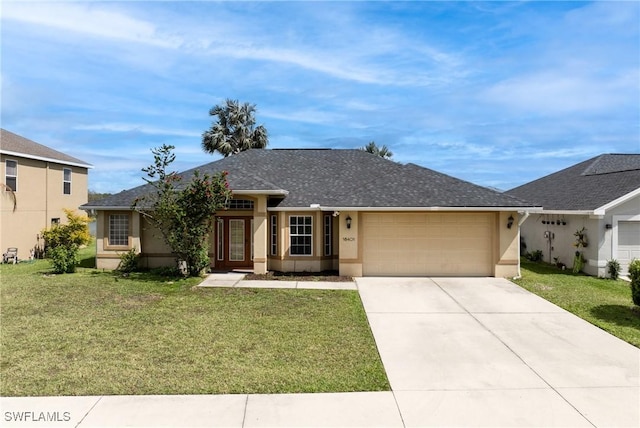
95,333
603,302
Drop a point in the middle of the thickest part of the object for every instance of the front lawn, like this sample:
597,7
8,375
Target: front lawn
96,333
603,302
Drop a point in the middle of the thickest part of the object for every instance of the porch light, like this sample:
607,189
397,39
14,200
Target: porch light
510,222
348,222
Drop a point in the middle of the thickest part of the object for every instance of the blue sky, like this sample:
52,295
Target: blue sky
497,93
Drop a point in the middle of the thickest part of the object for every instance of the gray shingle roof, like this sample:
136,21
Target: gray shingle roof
585,186
338,178
14,143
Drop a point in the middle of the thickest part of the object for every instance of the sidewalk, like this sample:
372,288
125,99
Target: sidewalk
352,409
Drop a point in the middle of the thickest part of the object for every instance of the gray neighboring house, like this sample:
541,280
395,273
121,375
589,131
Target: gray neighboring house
346,210
602,195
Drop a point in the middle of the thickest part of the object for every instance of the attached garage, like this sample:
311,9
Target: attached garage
628,244
427,244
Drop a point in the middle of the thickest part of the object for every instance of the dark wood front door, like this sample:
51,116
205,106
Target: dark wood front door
233,243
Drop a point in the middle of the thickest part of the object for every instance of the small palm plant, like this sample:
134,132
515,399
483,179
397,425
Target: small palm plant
613,268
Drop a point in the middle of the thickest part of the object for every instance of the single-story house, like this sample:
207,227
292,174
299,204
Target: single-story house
44,182
601,195
346,210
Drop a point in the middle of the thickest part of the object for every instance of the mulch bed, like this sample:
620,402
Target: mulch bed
330,276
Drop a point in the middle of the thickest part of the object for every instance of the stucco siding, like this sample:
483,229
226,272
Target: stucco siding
40,199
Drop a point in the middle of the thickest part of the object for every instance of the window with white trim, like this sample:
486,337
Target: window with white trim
301,235
274,235
11,174
119,229
66,181
327,235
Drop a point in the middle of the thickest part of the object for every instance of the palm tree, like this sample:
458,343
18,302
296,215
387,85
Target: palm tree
234,131
383,151
9,191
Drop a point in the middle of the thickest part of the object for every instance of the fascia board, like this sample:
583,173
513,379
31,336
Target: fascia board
397,209
44,159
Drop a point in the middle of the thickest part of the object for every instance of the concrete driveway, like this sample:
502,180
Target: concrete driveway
485,352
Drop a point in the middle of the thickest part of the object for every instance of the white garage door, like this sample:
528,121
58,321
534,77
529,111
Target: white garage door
427,244
628,244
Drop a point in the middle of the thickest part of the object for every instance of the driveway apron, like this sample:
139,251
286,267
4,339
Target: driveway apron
485,352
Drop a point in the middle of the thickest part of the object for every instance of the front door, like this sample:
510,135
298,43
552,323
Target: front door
234,243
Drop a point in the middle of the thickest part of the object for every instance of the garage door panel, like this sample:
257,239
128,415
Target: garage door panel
437,244
628,244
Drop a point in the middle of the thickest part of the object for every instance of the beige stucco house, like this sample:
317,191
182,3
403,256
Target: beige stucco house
345,210
44,181
601,195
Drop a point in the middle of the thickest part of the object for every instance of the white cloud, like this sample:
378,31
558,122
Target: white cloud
561,92
137,128
89,19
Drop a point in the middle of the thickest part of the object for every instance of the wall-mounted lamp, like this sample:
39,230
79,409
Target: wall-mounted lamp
608,226
510,222
348,222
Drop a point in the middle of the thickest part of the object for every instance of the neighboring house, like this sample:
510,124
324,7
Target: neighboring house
346,210
44,182
602,195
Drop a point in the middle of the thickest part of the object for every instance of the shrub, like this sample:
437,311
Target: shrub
578,262
64,240
74,232
613,268
129,261
634,274
534,256
64,258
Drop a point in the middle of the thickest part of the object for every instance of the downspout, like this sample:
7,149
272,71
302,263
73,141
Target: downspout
522,219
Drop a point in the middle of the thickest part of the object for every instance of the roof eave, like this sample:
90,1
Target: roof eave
275,192
318,207
105,208
45,159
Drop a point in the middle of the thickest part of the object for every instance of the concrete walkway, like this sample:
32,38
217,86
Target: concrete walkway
236,280
457,351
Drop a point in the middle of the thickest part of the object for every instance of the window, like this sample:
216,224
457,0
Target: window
327,235
55,221
301,235
240,204
274,235
66,181
11,175
220,239
119,229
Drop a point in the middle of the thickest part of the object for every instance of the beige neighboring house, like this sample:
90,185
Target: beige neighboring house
44,182
346,210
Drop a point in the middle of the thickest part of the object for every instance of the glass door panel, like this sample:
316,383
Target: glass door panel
236,240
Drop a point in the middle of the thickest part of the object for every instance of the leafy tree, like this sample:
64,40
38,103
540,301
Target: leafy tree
95,196
64,240
234,131
183,214
373,148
